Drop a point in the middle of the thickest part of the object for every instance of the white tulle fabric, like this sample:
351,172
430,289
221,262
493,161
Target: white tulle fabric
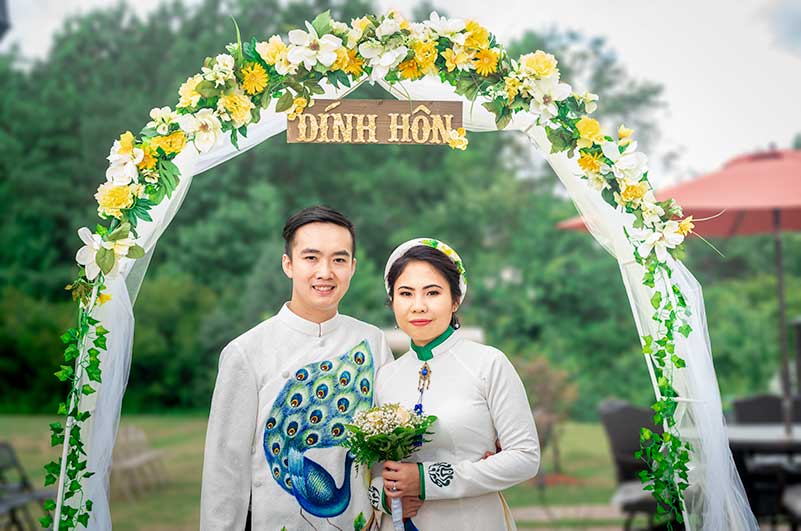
716,499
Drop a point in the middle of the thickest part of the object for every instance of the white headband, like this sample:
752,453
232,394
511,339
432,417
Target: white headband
446,249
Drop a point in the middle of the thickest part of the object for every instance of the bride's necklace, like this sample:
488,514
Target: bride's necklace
424,354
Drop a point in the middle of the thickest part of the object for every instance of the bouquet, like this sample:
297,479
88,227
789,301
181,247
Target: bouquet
387,433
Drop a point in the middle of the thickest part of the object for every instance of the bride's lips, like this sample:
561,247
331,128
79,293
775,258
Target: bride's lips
420,322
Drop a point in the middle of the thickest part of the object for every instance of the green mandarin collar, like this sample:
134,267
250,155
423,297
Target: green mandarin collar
426,352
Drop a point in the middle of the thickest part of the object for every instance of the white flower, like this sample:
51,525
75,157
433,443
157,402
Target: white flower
651,212
122,165
308,48
403,416
629,165
449,28
221,71
339,27
86,254
597,181
205,127
388,26
161,118
589,100
381,59
658,240
546,93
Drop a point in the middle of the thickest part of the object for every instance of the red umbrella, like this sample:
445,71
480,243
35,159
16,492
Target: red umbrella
759,193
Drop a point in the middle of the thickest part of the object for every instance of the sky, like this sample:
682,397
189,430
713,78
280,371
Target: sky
731,70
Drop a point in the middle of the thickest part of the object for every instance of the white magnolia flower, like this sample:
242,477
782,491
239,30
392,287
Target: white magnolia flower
629,165
86,254
657,240
221,71
380,58
339,27
122,165
589,100
284,67
597,181
546,93
420,31
205,127
389,26
449,28
161,118
651,212
308,48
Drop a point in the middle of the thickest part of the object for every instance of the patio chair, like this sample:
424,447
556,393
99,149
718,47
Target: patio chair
758,409
622,422
17,493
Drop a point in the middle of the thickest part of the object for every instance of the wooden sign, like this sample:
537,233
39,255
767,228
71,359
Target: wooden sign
376,122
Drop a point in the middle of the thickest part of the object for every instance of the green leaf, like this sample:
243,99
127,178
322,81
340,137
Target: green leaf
46,521
685,330
83,519
135,251
121,232
207,89
656,300
65,373
87,389
322,23
71,352
284,102
105,260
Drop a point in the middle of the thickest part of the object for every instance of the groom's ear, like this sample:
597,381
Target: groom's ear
286,265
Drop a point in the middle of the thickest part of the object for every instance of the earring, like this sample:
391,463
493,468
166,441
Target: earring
397,327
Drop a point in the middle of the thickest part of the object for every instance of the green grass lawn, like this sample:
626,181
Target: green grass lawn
587,475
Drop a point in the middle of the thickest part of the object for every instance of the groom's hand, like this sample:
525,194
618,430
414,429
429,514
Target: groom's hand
411,504
401,479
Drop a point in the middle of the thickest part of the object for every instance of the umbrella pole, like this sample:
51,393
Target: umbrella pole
788,403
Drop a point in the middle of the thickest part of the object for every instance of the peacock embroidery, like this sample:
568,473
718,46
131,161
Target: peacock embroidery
311,412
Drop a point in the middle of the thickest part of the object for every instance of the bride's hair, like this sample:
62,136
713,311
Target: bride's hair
439,261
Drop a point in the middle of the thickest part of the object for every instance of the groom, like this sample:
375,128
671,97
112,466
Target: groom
283,392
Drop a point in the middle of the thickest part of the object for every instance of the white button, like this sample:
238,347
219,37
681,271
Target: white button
285,374
257,484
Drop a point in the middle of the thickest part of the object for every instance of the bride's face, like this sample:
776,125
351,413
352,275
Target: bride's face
422,302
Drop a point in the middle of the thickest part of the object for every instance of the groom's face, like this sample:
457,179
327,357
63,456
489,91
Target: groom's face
321,265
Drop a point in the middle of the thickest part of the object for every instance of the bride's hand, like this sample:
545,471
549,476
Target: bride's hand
401,479
411,504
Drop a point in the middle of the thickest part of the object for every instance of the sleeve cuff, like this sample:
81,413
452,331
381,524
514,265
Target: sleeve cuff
420,469
437,482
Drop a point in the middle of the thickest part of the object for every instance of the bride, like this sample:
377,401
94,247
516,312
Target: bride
474,391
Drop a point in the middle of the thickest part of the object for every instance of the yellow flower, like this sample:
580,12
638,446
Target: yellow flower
355,65
590,132
271,50
624,133
103,298
127,141
172,143
254,78
633,192
298,105
512,87
360,24
188,92
425,53
486,62
239,106
342,59
590,163
454,59
410,70
148,161
457,139
686,226
477,35
539,63
111,199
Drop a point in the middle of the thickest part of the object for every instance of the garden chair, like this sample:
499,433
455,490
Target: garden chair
16,492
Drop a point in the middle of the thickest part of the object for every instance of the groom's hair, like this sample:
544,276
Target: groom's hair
316,214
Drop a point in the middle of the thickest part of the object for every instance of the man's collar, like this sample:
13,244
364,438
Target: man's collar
304,326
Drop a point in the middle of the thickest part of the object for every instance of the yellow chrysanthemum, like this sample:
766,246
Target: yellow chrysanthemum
425,53
342,59
271,50
148,161
189,96
633,192
539,63
686,226
486,62
103,298
458,139
254,78
298,105
111,199
127,141
590,163
172,143
410,70
477,36
512,87
355,65
454,59
238,106
589,131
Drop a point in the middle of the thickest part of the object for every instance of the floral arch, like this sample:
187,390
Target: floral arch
246,95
